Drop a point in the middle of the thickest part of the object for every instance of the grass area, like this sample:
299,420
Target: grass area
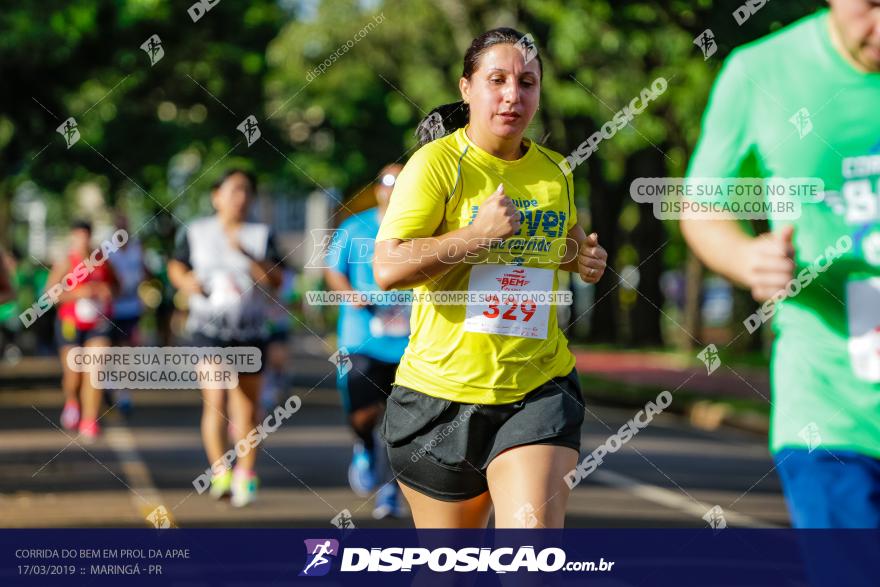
603,390
752,360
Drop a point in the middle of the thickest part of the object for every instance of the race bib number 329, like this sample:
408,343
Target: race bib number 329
500,312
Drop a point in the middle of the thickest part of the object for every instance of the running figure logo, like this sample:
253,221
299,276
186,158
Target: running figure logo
342,520
802,122
811,436
159,518
153,48
715,518
525,515
249,129
69,131
526,46
317,561
710,358
434,126
706,42
342,360
327,243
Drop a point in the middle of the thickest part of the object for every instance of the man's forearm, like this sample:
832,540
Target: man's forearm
717,243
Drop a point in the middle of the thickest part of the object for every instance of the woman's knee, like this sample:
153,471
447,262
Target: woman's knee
429,512
213,405
249,387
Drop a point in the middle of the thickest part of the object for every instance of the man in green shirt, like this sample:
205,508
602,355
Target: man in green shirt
804,102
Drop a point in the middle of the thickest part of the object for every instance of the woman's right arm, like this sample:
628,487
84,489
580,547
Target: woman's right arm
180,272
56,274
183,278
403,264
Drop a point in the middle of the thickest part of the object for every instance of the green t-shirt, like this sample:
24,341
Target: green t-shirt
787,106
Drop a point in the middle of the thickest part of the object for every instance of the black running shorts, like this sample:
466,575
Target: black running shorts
442,448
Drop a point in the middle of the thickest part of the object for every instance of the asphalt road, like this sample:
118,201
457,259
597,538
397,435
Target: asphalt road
669,475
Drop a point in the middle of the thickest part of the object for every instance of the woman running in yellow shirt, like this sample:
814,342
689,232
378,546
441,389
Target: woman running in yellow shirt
486,409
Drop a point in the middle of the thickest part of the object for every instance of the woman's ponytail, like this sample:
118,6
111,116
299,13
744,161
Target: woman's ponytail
442,121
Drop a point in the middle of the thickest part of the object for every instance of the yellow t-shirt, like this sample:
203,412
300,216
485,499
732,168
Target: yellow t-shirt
460,353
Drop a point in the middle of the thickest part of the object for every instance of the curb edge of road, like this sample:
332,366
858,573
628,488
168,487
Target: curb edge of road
703,413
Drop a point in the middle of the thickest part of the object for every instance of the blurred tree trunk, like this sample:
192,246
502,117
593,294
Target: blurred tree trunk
693,298
649,239
606,203
744,305
6,214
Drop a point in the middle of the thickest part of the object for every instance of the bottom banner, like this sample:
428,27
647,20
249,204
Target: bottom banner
614,557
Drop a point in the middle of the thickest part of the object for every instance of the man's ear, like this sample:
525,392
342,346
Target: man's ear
464,86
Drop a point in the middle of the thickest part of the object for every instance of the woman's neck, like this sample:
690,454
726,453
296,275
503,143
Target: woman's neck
229,222
508,149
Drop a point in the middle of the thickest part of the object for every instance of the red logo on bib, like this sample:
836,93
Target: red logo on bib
513,280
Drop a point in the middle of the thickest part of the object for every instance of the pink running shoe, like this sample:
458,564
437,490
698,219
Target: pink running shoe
90,430
70,415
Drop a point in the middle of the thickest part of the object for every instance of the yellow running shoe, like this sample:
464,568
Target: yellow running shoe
221,485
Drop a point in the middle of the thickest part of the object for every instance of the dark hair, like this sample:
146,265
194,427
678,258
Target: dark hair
80,224
448,118
230,172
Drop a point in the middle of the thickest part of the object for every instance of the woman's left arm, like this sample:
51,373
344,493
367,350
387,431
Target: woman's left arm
267,271
584,255
264,272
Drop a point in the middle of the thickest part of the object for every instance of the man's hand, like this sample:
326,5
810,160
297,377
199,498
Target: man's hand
498,218
769,263
592,259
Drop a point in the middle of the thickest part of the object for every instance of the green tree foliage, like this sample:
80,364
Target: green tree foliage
157,135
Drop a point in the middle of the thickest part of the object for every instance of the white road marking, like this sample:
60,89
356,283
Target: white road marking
674,500
144,495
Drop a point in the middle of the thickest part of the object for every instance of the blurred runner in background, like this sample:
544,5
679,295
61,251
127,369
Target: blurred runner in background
84,319
9,322
374,338
275,376
224,265
128,263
